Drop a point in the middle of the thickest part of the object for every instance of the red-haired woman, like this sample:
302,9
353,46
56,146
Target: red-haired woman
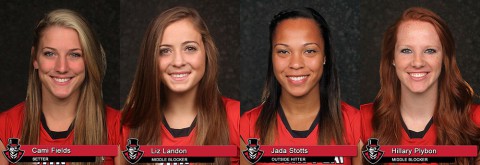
423,99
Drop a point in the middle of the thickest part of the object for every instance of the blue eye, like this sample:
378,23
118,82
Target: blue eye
76,55
430,51
406,51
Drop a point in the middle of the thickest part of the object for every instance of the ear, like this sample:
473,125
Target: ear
35,63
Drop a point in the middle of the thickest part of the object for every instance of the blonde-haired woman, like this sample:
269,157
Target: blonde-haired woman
174,99
64,103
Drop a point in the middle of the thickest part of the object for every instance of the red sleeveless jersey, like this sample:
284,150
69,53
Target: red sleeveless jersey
11,122
232,108
351,122
429,138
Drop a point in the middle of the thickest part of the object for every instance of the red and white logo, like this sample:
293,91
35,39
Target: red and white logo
13,152
372,154
253,152
133,152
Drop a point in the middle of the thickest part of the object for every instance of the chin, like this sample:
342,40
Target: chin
297,93
418,90
179,89
61,96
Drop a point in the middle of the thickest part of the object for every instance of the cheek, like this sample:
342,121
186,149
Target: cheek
77,67
45,65
162,64
279,64
198,62
315,65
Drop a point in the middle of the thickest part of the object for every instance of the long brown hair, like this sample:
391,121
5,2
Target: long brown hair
143,107
89,125
331,122
452,110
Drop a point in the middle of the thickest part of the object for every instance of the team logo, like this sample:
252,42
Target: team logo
372,154
133,152
253,152
13,152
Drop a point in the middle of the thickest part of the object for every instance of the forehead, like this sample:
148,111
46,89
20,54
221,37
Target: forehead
412,29
60,38
181,30
298,28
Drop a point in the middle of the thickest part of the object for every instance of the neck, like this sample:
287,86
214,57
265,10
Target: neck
307,104
59,113
59,109
181,103
419,106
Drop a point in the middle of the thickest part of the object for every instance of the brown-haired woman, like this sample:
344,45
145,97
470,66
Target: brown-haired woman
423,99
64,104
174,99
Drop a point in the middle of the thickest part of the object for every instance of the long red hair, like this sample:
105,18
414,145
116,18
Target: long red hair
452,111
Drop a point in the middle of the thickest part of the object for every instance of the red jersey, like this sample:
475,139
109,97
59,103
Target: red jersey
429,138
186,137
11,122
286,136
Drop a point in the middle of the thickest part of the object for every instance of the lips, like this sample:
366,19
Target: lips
297,79
418,75
179,76
61,80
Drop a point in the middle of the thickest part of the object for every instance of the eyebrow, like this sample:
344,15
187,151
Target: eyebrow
74,49
184,43
306,44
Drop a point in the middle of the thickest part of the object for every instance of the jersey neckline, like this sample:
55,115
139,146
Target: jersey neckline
182,132
297,133
54,134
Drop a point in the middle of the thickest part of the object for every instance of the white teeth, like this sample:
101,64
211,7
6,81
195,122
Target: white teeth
297,78
179,75
61,79
417,75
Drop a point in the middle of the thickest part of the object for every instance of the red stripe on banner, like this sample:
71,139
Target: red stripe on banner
189,151
429,151
70,150
325,150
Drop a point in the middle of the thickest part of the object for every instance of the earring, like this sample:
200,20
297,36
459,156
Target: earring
324,61
393,64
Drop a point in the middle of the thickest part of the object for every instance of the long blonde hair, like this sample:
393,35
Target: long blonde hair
89,124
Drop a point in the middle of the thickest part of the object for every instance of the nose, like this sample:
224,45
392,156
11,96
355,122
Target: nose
296,61
61,64
178,59
418,60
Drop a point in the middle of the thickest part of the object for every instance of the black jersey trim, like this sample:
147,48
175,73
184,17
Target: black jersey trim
55,134
417,135
182,132
296,133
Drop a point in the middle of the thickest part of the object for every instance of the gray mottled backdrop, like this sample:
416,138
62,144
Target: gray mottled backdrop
221,18
342,17
461,16
17,21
